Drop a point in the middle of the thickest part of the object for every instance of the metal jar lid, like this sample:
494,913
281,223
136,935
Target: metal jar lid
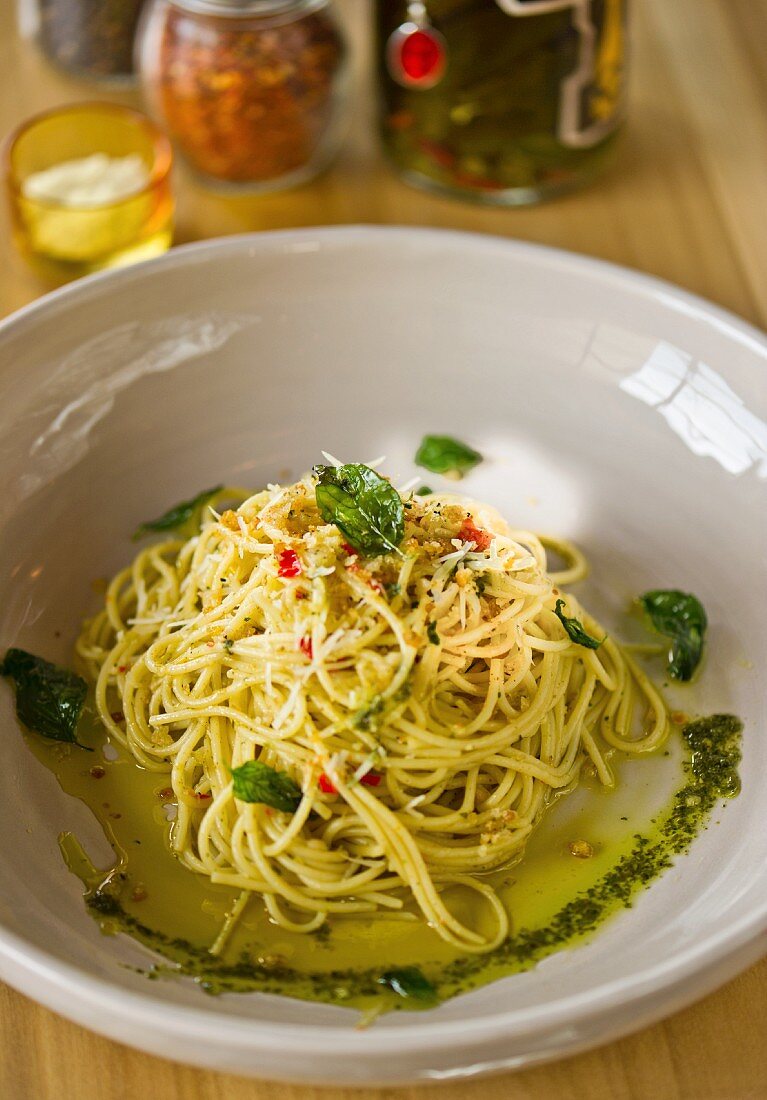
234,8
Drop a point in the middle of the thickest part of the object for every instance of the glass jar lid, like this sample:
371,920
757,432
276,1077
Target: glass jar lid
247,7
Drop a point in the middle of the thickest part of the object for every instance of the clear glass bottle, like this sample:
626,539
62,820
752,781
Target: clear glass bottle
500,101
251,91
92,39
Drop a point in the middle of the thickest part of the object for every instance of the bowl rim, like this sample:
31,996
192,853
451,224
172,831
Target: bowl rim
723,947
353,235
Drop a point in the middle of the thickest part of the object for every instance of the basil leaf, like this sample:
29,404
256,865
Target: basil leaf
432,633
443,455
254,781
423,491
681,618
178,515
365,507
575,631
408,982
49,699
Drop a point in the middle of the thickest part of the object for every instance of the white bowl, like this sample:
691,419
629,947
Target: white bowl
629,409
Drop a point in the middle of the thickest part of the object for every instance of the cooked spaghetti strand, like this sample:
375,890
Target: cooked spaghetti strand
428,704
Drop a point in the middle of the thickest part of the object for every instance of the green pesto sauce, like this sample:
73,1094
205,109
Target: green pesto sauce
555,900
711,774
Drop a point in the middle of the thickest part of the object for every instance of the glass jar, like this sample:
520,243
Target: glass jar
501,101
89,38
251,91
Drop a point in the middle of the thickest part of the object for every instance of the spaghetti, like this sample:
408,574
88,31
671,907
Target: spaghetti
429,703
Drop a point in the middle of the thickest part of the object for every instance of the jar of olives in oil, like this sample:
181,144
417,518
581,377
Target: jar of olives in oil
501,101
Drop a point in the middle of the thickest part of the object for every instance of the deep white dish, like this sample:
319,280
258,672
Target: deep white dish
612,408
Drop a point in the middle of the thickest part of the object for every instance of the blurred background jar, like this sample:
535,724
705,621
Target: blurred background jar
93,39
251,91
501,101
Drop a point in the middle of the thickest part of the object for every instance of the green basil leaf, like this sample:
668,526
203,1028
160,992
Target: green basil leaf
443,455
574,628
408,982
254,781
423,491
682,619
365,507
177,516
432,633
49,699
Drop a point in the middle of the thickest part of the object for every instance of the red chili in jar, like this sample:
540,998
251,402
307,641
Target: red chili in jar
251,93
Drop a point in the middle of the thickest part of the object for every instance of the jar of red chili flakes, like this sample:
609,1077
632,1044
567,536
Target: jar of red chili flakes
251,91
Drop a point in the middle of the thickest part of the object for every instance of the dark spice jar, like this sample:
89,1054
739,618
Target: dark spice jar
501,101
251,91
88,38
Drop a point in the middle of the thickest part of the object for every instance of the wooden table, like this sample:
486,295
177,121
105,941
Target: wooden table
688,202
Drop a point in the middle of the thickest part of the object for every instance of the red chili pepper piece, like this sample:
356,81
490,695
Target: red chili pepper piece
400,120
288,564
440,154
305,645
326,786
468,179
370,779
471,533
349,550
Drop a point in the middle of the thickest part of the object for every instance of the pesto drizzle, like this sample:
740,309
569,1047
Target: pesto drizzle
711,774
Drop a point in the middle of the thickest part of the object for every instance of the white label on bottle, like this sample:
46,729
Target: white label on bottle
591,98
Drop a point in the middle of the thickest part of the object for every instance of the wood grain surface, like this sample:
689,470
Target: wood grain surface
686,200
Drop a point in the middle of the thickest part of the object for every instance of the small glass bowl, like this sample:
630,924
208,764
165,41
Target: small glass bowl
63,241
